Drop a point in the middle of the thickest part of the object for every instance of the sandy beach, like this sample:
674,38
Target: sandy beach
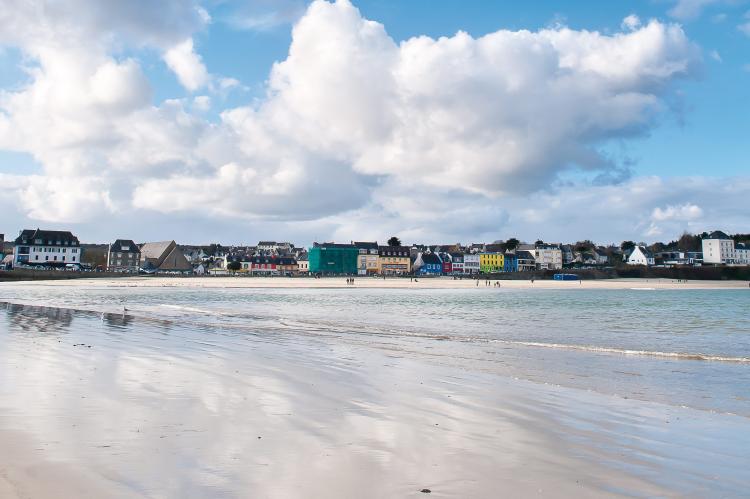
268,387
388,283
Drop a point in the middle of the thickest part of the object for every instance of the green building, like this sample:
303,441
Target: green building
330,258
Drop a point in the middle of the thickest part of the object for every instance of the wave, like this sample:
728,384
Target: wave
624,351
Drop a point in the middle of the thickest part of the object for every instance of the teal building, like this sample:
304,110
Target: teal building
330,258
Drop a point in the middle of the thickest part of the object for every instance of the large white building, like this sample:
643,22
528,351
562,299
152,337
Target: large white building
547,257
53,248
718,248
471,263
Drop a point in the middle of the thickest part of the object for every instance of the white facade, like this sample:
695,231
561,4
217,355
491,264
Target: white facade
547,257
471,263
303,266
640,256
719,251
41,254
742,254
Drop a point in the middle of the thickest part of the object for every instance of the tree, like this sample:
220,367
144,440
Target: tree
689,242
627,245
512,243
538,243
234,265
583,246
394,241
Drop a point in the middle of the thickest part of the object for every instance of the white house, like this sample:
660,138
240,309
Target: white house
471,263
718,248
46,247
640,256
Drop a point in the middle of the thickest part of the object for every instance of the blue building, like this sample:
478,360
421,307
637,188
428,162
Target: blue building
511,263
428,264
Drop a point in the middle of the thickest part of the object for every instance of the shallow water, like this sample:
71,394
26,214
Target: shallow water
469,392
684,348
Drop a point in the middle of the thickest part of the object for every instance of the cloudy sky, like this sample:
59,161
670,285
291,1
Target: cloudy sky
458,120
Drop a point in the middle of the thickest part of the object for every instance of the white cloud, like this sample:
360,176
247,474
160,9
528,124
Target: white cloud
631,22
357,134
683,212
187,65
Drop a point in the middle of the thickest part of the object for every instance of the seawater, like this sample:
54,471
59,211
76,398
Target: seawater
688,348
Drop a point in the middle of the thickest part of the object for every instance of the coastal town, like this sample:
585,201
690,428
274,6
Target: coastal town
53,250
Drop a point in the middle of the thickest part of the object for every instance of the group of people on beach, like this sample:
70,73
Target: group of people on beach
487,282
350,280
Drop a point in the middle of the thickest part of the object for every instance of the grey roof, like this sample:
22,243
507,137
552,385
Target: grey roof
394,250
366,245
525,255
431,258
48,237
717,234
155,250
124,243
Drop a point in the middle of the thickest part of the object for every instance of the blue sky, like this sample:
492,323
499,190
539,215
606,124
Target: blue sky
189,102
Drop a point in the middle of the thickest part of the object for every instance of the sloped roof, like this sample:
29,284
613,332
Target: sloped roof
119,244
366,245
717,234
431,258
157,250
402,251
48,237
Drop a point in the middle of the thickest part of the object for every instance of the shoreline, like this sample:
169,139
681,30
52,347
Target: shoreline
380,283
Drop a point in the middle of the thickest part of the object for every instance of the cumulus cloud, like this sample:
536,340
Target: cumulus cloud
356,131
187,65
683,212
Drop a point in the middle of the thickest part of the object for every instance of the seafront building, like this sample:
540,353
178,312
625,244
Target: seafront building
123,256
547,257
428,263
718,248
333,259
641,256
53,248
491,262
394,260
367,258
164,257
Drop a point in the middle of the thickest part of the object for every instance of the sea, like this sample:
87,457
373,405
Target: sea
682,350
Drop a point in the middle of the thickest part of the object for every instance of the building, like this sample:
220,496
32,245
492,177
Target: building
303,264
333,259
471,263
164,256
428,264
394,260
447,263
457,262
526,262
641,256
46,248
510,262
718,248
742,254
123,256
367,258
273,247
547,257
490,263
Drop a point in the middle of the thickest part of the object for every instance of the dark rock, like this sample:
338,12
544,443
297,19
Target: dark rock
426,491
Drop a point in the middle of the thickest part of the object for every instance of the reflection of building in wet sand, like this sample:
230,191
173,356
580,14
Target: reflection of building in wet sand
39,319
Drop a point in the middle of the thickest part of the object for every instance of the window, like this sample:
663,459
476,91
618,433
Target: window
73,259
36,257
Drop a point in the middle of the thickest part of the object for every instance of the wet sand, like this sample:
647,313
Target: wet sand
395,283
228,417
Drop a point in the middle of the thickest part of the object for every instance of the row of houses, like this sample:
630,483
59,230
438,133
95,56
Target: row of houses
60,249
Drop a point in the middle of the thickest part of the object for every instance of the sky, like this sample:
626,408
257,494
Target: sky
436,121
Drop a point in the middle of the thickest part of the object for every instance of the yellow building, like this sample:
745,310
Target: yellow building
394,260
491,262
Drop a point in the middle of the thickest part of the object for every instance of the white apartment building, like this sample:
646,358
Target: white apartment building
471,263
547,257
718,248
46,247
